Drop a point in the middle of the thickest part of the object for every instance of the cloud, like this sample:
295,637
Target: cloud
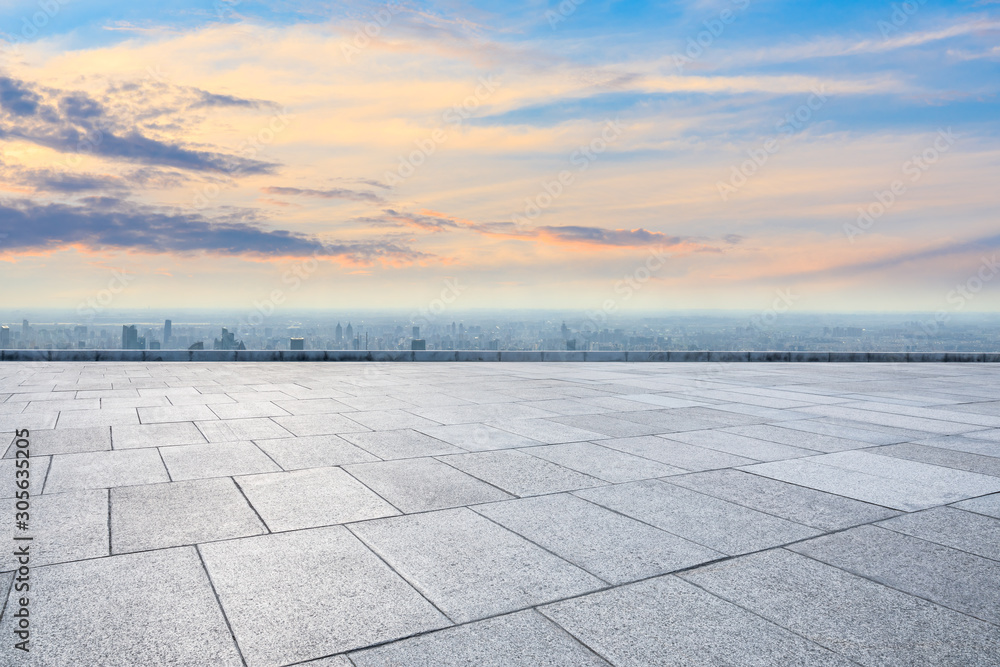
73,122
207,99
331,193
106,223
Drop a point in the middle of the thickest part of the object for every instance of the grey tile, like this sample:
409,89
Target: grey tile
608,545
156,435
859,619
949,577
323,587
77,419
64,527
310,498
711,522
154,516
524,639
313,451
881,480
547,431
477,437
796,438
67,441
231,430
165,593
418,485
609,426
788,501
968,444
176,413
468,566
668,421
330,424
466,414
669,622
387,420
315,406
988,505
845,432
519,473
66,405
948,458
603,463
975,533
402,444
674,453
215,459
34,473
247,410
740,445
101,470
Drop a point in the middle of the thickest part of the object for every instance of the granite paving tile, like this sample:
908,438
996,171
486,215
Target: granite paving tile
881,480
245,410
520,474
156,435
797,438
478,437
102,470
968,531
946,576
313,451
674,453
229,430
547,431
861,620
706,520
76,419
609,426
522,639
422,484
402,444
154,516
387,420
67,441
666,622
215,459
824,511
610,465
470,567
318,424
988,505
311,498
740,445
608,545
291,597
166,594
948,458
177,413
63,526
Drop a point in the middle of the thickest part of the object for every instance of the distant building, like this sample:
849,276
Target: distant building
131,340
416,332
167,332
339,333
418,344
296,343
349,332
228,341
200,345
4,337
154,345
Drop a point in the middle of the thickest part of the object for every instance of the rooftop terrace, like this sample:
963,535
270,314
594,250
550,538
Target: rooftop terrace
270,514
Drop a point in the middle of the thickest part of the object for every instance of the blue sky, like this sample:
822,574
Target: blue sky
209,146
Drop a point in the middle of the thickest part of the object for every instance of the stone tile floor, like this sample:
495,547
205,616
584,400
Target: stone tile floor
269,514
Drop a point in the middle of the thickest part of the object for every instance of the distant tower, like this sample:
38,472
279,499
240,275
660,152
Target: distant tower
167,332
349,331
24,330
4,337
296,343
339,333
130,337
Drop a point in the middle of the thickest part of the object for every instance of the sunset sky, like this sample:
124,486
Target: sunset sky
538,154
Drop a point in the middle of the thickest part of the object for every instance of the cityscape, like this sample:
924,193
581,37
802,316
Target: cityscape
529,330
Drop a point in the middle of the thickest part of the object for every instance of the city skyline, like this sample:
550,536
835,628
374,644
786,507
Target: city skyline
686,154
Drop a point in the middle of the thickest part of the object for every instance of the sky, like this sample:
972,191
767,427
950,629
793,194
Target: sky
597,155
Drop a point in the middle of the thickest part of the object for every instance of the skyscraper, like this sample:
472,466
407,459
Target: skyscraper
131,340
339,333
296,343
349,332
4,337
167,332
